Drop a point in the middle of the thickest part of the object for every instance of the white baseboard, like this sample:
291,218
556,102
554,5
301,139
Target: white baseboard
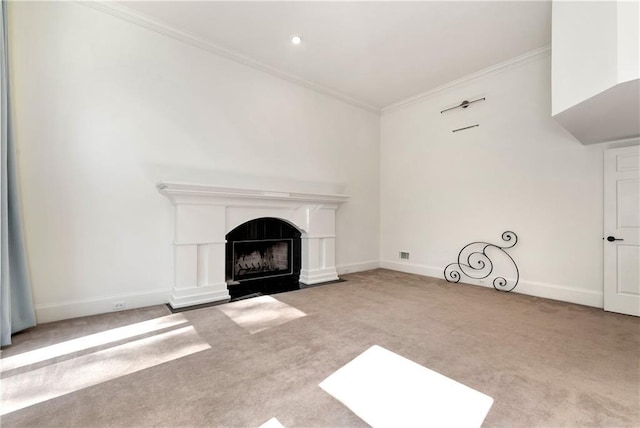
85,307
531,288
317,276
358,267
412,268
100,305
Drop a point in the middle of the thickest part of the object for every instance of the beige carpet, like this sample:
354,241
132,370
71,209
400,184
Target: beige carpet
544,363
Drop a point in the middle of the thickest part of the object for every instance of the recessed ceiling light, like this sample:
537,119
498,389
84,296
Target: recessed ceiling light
296,39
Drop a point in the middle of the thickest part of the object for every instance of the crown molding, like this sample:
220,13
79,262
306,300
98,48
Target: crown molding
192,39
145,21
531,56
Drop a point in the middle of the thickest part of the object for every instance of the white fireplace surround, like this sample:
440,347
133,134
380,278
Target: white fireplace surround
204,214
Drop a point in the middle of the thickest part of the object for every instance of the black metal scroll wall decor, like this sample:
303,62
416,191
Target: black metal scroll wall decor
474,262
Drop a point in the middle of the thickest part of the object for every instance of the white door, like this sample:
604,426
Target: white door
622,230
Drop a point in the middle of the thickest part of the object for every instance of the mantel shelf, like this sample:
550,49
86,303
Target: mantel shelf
175,190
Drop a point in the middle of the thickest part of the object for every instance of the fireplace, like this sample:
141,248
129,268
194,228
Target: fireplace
263,256
261,259
208,220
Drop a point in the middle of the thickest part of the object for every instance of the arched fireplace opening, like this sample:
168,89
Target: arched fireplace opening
263,256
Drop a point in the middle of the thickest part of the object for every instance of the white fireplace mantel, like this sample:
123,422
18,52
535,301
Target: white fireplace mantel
203,215
185,193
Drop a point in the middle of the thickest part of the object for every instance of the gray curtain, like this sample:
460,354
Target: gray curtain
16,303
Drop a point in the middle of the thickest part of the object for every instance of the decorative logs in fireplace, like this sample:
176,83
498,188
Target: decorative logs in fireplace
263,256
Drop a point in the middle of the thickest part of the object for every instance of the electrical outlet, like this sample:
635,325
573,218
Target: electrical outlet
118,306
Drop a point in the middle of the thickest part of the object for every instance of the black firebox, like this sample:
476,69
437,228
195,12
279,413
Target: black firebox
263,256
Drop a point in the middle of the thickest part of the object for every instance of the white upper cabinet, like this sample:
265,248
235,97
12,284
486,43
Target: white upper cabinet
596,69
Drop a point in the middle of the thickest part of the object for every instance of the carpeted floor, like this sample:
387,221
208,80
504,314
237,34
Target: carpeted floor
545,363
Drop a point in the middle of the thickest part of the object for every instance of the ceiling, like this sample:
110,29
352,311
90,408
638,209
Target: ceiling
377,53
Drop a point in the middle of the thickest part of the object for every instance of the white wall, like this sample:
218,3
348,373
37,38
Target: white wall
628,40
104,109
519,170
584,47
596,69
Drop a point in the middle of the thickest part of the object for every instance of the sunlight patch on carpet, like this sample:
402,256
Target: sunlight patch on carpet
260,313
41,384
387,390
90,341
272,423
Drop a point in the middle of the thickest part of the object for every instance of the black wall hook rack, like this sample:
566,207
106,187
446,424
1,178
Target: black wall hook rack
466,127
463,104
